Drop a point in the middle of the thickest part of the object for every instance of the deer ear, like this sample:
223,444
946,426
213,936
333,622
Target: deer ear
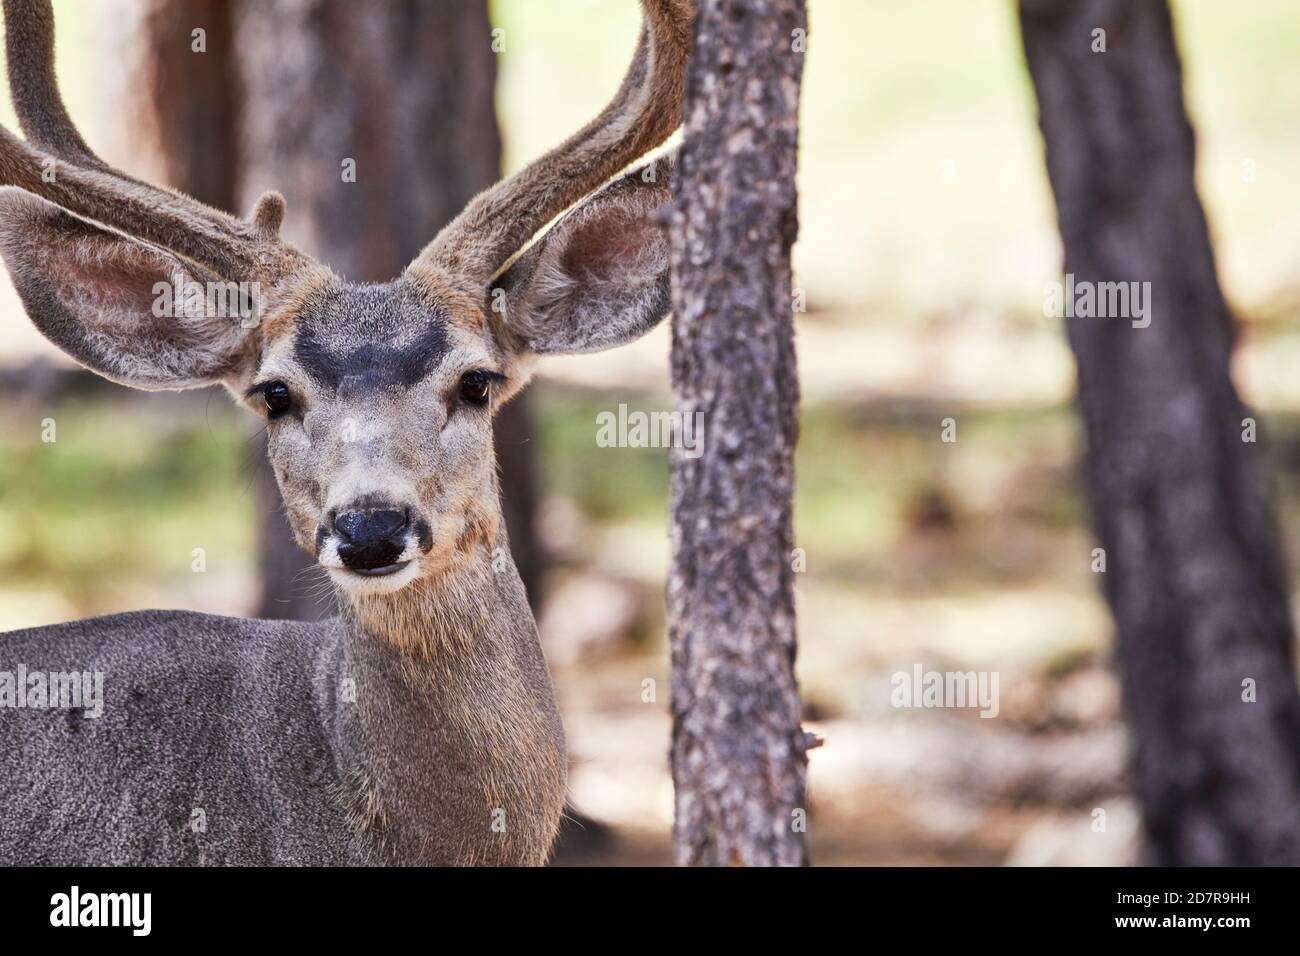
599,277
123,308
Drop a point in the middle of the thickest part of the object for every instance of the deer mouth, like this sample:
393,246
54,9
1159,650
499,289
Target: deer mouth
380,572
376,581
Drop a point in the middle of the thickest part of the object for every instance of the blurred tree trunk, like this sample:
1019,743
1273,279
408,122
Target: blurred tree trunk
188,101
738,751
283,95
1194,574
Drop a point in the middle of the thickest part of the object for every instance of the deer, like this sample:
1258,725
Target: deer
418,726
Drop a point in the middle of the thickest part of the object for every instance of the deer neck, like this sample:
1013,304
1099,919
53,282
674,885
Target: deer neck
443,711
447,615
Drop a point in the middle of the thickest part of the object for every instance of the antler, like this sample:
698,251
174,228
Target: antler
58,165
644,113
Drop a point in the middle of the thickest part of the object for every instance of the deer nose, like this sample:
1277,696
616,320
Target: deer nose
370,540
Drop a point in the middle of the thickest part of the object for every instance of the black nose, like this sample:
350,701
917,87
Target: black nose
370,539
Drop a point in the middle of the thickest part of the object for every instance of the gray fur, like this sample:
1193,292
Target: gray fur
244,724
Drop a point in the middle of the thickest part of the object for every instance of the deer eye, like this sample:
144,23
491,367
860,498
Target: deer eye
277,398
475,387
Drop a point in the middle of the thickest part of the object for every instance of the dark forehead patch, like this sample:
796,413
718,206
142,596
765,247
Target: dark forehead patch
378,336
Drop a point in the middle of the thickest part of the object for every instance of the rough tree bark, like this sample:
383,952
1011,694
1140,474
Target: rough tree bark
1195,576
738,750
405,90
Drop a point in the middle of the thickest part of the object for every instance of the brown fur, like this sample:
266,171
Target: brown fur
296,296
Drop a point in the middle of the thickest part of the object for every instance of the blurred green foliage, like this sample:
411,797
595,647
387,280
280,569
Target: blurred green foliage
121,493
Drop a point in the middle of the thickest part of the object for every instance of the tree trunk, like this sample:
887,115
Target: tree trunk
738,751
1194,573
185,101
402,91
173,109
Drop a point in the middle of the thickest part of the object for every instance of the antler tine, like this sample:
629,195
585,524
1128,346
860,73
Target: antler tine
644,113
84,184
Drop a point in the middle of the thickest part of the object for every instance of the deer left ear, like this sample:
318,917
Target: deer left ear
599,277
129,310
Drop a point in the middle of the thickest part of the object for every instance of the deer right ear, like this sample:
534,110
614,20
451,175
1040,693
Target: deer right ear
599,277
119,306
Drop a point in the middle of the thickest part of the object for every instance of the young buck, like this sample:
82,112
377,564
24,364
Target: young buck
419,726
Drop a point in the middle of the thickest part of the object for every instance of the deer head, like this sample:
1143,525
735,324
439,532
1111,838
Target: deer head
378,398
